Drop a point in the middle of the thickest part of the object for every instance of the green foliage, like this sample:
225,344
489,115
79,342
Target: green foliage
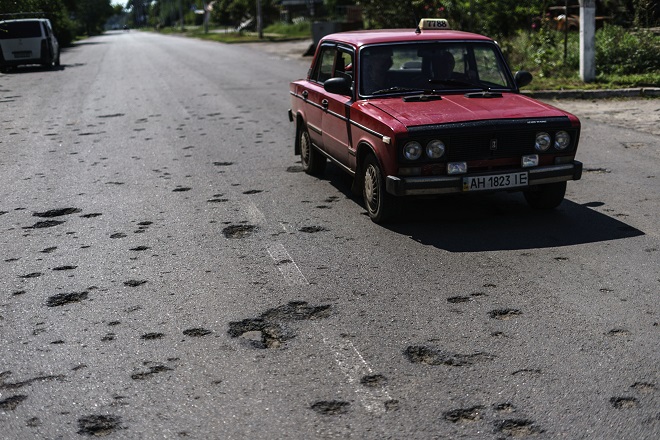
623,58
619,51
293,30
493,18
68,17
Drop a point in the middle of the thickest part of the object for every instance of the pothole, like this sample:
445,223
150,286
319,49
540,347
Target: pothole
10,403
62,299
57,212
463,415
152,336
238,231
268,331
197,332
644,387
624,402
152,370
65,268
504,314
617,332
98,425
418,354
331,407
134,283
44,224
373,380
312,229
517,427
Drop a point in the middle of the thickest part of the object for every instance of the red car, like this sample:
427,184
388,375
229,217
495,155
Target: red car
429,111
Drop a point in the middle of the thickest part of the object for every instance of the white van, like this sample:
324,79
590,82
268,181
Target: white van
28,41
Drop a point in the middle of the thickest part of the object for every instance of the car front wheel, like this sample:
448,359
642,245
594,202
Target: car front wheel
380,205
313,162
547,196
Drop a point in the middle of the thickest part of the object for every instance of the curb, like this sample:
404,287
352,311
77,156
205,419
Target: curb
638,92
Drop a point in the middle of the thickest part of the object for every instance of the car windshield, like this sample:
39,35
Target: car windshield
19,29
432,67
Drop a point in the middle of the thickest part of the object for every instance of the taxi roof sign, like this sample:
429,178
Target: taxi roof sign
433,24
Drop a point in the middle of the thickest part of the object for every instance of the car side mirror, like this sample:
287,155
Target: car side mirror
523,78
339,86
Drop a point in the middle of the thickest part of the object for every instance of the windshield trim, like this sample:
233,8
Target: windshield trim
458,89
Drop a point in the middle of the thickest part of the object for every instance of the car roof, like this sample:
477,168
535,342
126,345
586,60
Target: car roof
381,36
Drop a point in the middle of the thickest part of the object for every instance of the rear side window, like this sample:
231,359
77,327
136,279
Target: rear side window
20,29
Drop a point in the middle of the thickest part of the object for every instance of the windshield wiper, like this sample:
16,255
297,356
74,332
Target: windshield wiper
394,90
485,92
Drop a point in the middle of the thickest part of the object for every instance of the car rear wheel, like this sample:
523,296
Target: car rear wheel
380,205
547,196
313,162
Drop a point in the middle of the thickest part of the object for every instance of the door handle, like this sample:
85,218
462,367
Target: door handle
324,103
304,94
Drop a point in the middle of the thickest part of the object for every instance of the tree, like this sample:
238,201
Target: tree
55,10
92,15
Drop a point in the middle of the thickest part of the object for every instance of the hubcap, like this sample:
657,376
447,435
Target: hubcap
371,188
304,148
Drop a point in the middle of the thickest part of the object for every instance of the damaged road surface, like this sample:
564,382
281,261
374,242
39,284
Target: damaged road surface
167,270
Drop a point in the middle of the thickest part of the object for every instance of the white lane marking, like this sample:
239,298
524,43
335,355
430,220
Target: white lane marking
353,365
288,268
347,357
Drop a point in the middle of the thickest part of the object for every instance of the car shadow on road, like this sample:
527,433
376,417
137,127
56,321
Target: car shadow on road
495,222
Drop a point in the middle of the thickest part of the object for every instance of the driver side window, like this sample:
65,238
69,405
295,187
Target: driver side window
323,70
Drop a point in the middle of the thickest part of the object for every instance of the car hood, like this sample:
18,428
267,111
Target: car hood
459,108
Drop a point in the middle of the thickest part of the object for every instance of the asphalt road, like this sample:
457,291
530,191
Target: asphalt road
167,270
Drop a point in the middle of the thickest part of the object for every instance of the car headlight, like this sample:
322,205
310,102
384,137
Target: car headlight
543,141
435,149
562,140
412,150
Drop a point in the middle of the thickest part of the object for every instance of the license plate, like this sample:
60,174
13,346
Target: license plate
22,54
495,181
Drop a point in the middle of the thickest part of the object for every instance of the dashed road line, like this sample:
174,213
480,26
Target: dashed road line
347,357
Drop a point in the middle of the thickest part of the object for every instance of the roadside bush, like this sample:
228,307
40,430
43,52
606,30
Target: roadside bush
618,52
622,52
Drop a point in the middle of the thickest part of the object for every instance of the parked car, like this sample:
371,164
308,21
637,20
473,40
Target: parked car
429,111
28,41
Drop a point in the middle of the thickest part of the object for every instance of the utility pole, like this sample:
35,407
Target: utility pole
587,40
181,14
260,22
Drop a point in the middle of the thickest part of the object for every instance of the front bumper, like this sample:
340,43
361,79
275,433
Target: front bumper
429,185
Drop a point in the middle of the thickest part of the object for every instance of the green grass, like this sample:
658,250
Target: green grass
602,82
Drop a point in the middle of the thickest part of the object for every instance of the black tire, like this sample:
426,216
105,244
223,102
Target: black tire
380,205
547,196
313,162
